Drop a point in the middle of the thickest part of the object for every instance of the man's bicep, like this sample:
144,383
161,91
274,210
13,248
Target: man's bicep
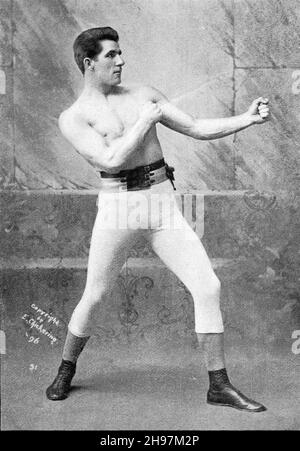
173,117
84,139
176,119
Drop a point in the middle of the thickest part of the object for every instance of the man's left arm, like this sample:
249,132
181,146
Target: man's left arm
207,129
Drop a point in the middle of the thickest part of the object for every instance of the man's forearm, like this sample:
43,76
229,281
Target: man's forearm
122,148
207,129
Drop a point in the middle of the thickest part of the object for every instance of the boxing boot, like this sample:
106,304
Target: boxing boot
222,393
61,385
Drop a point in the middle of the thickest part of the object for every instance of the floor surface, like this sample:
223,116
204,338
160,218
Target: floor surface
147,389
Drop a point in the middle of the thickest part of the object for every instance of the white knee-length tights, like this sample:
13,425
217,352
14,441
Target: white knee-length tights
122,218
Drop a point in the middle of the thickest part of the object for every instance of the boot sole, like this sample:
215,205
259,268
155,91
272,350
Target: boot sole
235,407
57,399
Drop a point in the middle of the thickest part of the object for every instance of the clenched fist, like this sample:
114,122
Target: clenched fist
259,110
151,112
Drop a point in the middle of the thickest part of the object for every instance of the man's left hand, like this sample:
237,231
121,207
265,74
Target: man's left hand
259,110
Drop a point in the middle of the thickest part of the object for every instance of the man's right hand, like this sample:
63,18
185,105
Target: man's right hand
151,113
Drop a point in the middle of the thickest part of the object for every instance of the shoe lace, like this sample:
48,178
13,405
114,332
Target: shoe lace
65,374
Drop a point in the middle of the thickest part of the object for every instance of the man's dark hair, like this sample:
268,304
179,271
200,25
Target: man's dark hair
88,45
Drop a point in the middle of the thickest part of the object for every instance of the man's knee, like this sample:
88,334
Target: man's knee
208,316
212,286
95,294
216,284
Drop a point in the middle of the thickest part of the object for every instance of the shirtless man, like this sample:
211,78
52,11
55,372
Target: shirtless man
114,128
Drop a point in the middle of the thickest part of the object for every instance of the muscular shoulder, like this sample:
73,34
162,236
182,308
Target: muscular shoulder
146,93
69,118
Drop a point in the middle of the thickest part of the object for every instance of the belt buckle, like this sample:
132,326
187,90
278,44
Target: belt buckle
146,181
140,178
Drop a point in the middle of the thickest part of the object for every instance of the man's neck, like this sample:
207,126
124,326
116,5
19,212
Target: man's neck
94,88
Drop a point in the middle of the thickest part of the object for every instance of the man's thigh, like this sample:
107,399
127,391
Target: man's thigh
108,252
183,252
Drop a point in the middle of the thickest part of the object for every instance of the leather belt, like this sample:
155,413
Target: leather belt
142,177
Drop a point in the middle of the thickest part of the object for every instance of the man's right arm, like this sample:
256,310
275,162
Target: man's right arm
92,146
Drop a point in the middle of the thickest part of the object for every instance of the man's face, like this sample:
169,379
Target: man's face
108,64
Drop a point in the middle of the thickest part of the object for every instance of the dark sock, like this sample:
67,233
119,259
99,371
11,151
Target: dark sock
218,379
67,365
73,347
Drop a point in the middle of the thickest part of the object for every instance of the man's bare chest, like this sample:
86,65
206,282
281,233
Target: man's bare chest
114,117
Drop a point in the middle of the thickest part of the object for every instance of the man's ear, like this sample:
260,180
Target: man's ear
88,64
